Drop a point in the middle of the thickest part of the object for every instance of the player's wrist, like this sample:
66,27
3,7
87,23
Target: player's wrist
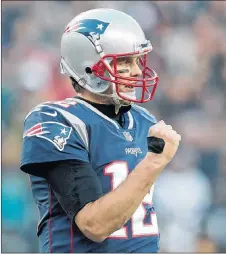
148,169
156,162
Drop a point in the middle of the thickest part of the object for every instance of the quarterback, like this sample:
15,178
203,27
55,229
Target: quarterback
93,159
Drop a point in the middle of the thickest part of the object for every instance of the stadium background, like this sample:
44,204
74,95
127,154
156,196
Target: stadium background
189,40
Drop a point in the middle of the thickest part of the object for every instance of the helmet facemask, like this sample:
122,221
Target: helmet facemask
141,88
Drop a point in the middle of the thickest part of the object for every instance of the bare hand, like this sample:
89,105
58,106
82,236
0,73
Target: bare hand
171,138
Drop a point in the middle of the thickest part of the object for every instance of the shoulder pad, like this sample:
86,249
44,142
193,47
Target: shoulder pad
145,113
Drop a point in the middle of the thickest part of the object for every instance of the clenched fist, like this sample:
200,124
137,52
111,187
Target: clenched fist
171,138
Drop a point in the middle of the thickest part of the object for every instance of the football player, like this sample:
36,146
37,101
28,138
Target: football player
93,159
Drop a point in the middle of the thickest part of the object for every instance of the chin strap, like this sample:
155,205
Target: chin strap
118,104
117,107
116,99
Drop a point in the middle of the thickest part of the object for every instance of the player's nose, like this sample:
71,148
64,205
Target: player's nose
135,70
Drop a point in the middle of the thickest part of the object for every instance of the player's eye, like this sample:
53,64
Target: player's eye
123,71
124,61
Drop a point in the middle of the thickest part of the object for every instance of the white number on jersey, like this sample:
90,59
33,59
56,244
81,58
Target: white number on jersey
118,171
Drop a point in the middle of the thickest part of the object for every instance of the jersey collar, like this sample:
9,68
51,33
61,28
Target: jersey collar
108,110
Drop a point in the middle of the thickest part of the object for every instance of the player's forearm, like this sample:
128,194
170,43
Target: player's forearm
112,211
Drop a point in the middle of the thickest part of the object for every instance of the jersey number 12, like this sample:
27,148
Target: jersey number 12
118,171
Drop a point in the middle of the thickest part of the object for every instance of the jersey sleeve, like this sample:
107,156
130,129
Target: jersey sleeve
49,137
74,184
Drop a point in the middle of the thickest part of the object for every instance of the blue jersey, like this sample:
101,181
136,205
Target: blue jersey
73,129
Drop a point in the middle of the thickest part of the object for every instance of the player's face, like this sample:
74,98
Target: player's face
127,67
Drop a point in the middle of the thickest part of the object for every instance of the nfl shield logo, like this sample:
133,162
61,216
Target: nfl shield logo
128,136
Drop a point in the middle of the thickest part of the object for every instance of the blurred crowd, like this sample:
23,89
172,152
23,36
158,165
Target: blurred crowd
189,40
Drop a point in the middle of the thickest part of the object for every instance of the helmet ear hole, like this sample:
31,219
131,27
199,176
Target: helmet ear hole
88,70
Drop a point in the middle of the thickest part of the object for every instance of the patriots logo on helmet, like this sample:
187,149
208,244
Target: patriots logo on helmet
91,28
54,132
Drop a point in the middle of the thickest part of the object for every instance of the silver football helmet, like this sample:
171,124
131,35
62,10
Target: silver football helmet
97,38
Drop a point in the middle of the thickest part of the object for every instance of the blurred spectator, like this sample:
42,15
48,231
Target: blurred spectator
206,245
183,194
